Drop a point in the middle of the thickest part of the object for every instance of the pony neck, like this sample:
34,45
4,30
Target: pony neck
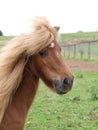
15,115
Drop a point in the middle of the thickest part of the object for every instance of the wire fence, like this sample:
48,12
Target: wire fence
84,50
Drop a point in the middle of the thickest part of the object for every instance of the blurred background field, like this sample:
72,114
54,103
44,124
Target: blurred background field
5,39
82,36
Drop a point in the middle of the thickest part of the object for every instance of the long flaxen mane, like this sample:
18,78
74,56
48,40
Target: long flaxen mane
14,55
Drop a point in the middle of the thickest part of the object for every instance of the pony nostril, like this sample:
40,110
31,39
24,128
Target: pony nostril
66,81
72,81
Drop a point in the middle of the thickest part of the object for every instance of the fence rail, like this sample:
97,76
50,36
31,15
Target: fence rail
83,50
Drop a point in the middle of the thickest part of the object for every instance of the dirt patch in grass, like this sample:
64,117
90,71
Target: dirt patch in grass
82,65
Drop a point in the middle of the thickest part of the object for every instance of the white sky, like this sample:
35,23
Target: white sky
70,15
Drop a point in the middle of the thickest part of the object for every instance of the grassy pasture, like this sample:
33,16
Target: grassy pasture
77,110
82,36
4,40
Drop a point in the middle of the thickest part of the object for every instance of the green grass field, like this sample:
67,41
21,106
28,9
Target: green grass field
77,110
82,36
4,40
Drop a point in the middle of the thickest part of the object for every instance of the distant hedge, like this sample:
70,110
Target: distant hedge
1,33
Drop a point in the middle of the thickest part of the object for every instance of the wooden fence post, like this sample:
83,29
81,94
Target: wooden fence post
74,50
89,50
68,51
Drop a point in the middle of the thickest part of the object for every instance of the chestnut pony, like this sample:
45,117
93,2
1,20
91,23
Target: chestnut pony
25,60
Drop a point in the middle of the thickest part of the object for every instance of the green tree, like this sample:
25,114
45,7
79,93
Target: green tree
1,33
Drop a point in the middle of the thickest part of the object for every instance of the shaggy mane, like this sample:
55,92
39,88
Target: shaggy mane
13,58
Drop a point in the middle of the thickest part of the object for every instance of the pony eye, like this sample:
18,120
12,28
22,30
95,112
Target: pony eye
43,53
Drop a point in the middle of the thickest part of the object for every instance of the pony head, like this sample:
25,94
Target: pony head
49,65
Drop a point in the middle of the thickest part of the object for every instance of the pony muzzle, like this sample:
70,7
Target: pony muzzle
62,87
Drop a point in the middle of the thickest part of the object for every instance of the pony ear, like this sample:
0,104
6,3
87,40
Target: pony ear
56,28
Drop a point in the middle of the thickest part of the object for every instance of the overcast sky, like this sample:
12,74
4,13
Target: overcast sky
70,15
